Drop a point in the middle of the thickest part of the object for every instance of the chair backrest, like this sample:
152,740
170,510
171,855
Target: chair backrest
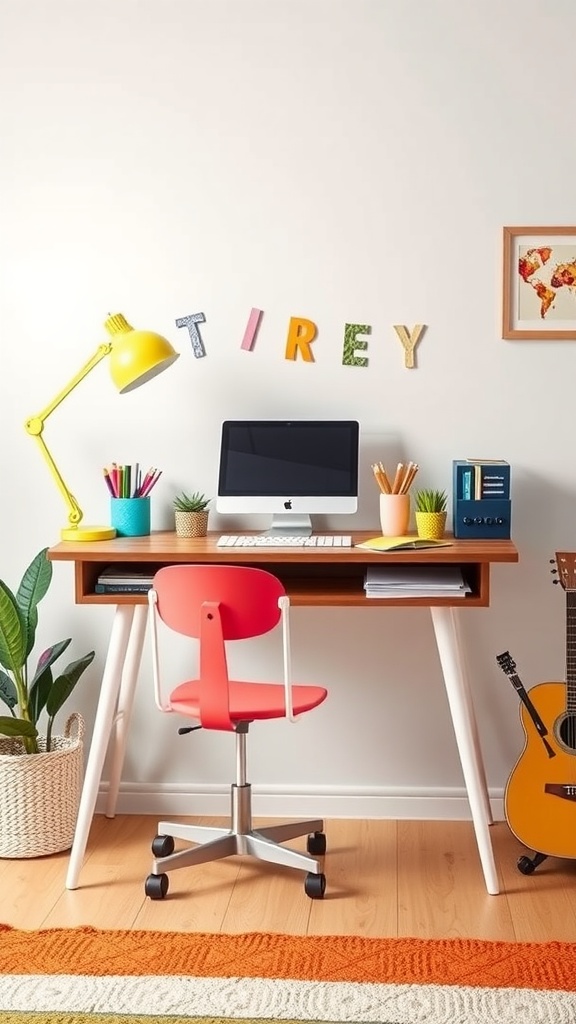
248,598
215,603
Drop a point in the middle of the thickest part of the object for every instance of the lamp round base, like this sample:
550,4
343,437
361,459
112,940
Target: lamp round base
86,533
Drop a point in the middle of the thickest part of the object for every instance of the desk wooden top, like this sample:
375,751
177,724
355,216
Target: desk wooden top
312,576
165,546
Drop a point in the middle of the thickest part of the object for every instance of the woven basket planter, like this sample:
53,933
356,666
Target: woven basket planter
191,524
40,793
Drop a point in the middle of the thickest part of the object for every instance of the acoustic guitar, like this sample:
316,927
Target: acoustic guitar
540,797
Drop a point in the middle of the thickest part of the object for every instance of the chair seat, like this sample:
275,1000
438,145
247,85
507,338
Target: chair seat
249,701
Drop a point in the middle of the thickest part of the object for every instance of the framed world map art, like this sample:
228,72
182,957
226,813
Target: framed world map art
539,286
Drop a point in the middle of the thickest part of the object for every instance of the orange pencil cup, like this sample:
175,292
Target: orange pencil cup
394,514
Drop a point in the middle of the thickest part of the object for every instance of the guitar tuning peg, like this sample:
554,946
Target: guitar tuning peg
553,571
552,560
555,581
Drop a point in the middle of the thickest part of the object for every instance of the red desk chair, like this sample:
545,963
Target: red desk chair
216,603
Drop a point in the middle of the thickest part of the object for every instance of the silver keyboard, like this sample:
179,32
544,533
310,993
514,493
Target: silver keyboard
317,540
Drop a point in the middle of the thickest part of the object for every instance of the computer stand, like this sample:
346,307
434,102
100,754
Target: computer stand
290,524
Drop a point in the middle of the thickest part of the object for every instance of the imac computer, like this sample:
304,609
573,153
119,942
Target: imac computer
288,469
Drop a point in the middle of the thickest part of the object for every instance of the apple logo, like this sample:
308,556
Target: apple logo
288,504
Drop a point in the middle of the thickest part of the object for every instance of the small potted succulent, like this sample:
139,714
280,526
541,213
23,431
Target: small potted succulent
191,514
430,513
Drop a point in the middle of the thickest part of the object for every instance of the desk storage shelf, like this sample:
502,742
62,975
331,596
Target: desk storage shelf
331,577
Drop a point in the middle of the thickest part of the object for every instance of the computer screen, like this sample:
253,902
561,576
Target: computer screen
289,469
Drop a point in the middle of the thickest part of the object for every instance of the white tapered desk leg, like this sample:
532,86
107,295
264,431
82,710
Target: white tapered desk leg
462,712
125,701
103,722
467,695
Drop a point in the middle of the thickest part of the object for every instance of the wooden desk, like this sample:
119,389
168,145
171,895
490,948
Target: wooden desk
313,577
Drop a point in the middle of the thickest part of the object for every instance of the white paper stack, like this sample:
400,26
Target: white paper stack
415,581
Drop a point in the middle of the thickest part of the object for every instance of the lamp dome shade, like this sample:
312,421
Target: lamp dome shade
136,356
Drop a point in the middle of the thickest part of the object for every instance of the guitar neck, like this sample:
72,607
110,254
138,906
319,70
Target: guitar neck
571,651
523,694
508,665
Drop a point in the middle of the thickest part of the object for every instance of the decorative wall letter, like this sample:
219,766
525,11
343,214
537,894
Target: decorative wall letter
301,334
352,345
190,322
409,342
251,330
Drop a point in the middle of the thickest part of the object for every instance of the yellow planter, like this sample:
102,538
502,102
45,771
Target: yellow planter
430,525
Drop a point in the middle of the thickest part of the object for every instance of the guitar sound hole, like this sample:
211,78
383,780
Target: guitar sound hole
567,731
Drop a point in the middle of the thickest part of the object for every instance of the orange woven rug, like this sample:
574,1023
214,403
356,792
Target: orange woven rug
87,976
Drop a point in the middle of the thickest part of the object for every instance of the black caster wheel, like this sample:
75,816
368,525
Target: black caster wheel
156,886
316,844
525,865
162,846
315,886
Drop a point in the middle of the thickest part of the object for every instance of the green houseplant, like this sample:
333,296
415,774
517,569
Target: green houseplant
430,513
191,514
428,500
196,502
27,695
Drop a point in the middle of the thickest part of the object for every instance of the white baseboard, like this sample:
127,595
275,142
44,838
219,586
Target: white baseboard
441,804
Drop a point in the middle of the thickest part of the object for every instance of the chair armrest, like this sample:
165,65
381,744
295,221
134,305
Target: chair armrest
284,606
153,622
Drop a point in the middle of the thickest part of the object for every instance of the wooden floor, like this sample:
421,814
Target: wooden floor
384,878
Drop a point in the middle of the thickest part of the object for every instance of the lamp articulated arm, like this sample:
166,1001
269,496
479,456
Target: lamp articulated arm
135,357
35,427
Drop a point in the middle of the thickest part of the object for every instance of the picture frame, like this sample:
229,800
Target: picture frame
539,283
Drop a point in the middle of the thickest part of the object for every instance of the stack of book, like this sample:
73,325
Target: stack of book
117,579
415,581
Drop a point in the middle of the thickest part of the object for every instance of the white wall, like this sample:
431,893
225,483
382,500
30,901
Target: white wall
345,161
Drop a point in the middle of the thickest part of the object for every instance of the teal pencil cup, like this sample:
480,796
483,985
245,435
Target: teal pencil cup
130,517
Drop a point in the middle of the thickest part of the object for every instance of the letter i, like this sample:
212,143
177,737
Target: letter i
251,330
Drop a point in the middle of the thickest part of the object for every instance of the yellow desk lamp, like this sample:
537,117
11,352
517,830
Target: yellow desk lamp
135,357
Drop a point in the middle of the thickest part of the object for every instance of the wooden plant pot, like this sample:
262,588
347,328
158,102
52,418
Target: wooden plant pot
40,793
430,525
191,524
